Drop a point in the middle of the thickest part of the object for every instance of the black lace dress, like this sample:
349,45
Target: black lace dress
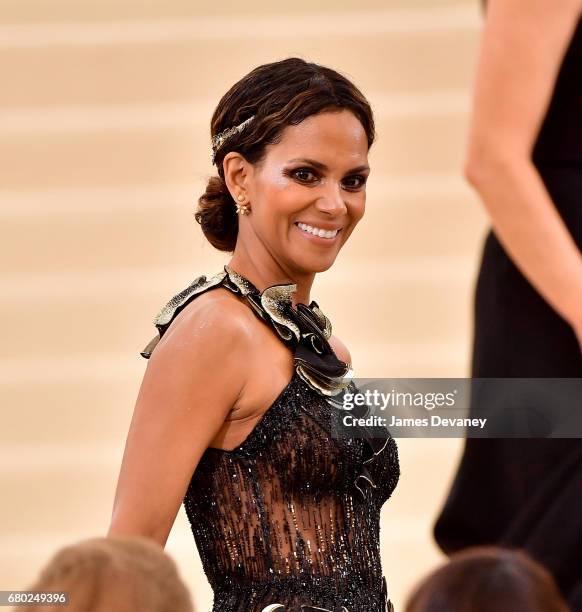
289,520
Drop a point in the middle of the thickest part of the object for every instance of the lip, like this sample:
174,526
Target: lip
318,239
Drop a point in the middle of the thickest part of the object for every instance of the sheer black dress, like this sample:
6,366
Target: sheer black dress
527,493
289,519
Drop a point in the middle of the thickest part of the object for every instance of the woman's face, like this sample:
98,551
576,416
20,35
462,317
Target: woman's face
308,194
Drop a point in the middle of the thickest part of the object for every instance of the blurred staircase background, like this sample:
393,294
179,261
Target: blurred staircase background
104,141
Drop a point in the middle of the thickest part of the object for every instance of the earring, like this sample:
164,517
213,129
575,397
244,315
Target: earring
242,209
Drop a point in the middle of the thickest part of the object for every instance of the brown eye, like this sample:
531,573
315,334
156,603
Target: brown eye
360,181
303,174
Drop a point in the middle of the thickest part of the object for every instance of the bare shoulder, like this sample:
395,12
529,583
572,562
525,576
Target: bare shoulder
208,343
215,315
340,349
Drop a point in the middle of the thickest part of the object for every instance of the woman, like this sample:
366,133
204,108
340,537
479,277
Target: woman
233,415
525,160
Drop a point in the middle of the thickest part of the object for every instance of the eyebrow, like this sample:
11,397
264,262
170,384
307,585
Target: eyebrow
323,167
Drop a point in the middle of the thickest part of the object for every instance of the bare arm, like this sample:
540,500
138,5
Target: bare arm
522,47
193,378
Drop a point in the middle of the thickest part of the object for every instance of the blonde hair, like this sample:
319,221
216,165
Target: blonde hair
115,573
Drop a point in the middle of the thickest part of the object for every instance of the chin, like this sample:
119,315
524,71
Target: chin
315,265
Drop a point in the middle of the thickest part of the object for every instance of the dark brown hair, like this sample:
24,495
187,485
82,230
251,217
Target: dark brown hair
488,579
122,573
278,94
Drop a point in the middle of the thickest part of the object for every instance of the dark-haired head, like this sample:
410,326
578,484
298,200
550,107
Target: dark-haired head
488,579
300,110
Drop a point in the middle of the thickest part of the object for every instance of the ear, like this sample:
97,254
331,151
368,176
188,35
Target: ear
236,173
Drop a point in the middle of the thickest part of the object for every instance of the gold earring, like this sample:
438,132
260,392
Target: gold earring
242,209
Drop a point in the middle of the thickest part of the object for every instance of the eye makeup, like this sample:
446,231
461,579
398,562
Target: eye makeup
298,173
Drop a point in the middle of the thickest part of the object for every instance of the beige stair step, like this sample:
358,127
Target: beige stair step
80,481
431,462
63,499
420,359
177,154
40,239
37,11
68,405
156,60
403,311
75,411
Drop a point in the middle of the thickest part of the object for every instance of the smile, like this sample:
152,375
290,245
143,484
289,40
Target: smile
317,231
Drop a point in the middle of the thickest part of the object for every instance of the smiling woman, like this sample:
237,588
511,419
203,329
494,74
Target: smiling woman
258,128
233,418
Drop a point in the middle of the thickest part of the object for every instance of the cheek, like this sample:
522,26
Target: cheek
281,202
357,208
276,210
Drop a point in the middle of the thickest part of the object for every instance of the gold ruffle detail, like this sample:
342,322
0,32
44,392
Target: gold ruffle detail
276,300
199,284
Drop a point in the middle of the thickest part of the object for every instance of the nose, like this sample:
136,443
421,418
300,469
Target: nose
332,201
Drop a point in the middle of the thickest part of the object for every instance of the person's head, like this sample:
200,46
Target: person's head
488,579
122,574
300,111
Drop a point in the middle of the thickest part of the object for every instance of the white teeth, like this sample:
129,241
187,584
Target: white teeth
316,231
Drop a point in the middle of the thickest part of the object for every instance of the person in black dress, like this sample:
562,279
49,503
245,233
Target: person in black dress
525,160
235,414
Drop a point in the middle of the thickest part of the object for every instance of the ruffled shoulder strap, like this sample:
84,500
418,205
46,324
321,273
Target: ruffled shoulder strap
167,314
305,329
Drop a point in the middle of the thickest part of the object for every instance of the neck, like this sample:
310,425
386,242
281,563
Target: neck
265,273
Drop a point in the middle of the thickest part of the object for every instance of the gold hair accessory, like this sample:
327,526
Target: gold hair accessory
219,139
